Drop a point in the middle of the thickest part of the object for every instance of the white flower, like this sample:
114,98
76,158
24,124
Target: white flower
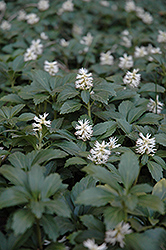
100,152
126,41
132,78
30,55
66,6
51,67
5,25
112,143
32,18
83,79
118,234
87,40
21,15
139,12
155,106
106,58
37,47
153,50
90,244
161,37
105,3
130,6
145,145
41,121
147,18
64,43
77,29
43,36
2,5
43,5
140,51
126,62
84,130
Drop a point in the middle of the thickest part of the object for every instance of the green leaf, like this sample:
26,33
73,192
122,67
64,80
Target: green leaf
100,128
151,87
141,189
58,206
128,168
15,175
14,196
151,201
85,95
161,139
95,196
17,159
37,208
40,98
50,185
56,246
155,170
149,118
18,63
85,183
160,189
68,93
70,106
124,125
35,179
103,175
135,113
42,78
50,227
75,161
22,220
113,216
70,147
125,107
92,223
13,98
47,155
26,117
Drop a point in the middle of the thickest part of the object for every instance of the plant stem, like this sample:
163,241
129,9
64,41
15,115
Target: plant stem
39,234
89,110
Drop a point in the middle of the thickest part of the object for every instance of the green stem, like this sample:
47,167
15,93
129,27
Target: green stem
39,234
135,182
89,110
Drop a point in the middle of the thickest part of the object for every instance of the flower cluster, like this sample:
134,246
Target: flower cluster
126,39
84,130
90,244
106,58
2,6
34,50
51,67
5,25
64,43
32,18
87,41
37,126
118,234
155,106
83,79
132,78
145,16
66,6
126,62
43,5
145,144
161,37
101,151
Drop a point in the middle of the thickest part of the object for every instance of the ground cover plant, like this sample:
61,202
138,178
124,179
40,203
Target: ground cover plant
82,125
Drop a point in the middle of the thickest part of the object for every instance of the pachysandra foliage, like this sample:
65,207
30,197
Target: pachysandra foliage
82,125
